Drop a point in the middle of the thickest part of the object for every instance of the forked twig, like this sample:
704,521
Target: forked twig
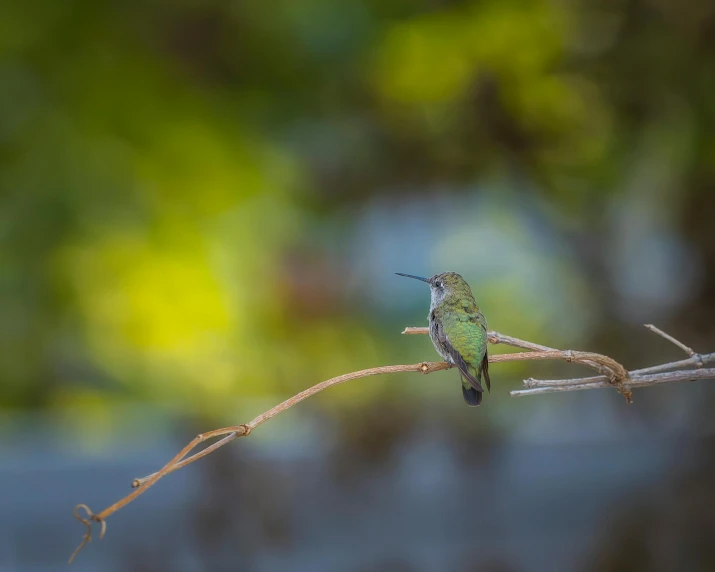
644,377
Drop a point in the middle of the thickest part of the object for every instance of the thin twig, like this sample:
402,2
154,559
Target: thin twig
671,339
613,374
698,360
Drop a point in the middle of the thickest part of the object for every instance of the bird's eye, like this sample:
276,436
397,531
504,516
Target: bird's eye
438,284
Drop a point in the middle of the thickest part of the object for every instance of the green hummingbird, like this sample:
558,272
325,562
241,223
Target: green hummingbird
458,331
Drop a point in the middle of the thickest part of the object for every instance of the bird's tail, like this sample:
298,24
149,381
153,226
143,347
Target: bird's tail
471,395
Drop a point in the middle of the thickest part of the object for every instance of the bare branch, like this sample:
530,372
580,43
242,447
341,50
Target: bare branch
613,374
611,369
643,377
553,386
635,375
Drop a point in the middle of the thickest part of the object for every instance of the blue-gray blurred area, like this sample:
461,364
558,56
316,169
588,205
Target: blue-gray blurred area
202,208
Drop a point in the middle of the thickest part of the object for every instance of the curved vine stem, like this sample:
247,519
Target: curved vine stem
611,374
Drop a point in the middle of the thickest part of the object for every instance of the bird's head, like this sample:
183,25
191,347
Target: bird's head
446,284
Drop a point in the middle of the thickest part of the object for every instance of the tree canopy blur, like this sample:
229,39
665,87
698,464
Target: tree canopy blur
201,201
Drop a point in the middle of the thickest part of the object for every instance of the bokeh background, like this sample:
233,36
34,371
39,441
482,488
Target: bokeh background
202,207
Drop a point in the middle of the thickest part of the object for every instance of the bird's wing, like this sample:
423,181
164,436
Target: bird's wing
461,364
468,346
456,357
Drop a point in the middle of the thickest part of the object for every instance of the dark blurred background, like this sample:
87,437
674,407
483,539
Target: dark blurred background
202,207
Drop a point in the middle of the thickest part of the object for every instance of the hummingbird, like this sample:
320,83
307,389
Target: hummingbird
458,331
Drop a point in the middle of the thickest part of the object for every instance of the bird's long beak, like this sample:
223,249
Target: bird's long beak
411,276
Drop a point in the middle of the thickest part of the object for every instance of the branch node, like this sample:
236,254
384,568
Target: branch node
246,429
618,380
424,367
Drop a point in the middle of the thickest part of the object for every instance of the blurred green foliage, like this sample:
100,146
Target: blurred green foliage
180,182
